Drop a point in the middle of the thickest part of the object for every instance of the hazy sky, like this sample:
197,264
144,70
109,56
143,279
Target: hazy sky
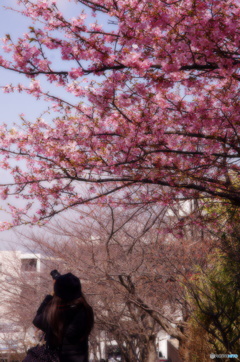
12,105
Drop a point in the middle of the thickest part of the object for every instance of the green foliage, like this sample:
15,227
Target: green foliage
215,298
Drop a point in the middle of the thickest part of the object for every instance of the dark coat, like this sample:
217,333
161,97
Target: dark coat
74,346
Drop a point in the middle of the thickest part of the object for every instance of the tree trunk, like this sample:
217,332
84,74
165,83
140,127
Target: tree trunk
151,352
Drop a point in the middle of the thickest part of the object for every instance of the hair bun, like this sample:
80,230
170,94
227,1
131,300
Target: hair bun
68,287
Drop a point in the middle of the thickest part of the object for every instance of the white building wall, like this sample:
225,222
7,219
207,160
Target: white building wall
12,264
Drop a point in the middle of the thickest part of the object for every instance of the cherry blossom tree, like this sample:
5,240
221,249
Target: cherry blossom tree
148,109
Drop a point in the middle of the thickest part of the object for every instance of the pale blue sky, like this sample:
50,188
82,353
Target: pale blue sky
12,105
15,24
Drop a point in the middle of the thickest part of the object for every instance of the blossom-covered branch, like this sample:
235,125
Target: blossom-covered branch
154,108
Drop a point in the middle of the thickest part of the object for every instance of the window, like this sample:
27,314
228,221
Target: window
29,265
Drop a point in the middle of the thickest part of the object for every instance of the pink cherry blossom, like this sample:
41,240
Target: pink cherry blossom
154,110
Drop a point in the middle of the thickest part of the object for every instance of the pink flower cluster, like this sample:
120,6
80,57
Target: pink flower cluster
154,115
